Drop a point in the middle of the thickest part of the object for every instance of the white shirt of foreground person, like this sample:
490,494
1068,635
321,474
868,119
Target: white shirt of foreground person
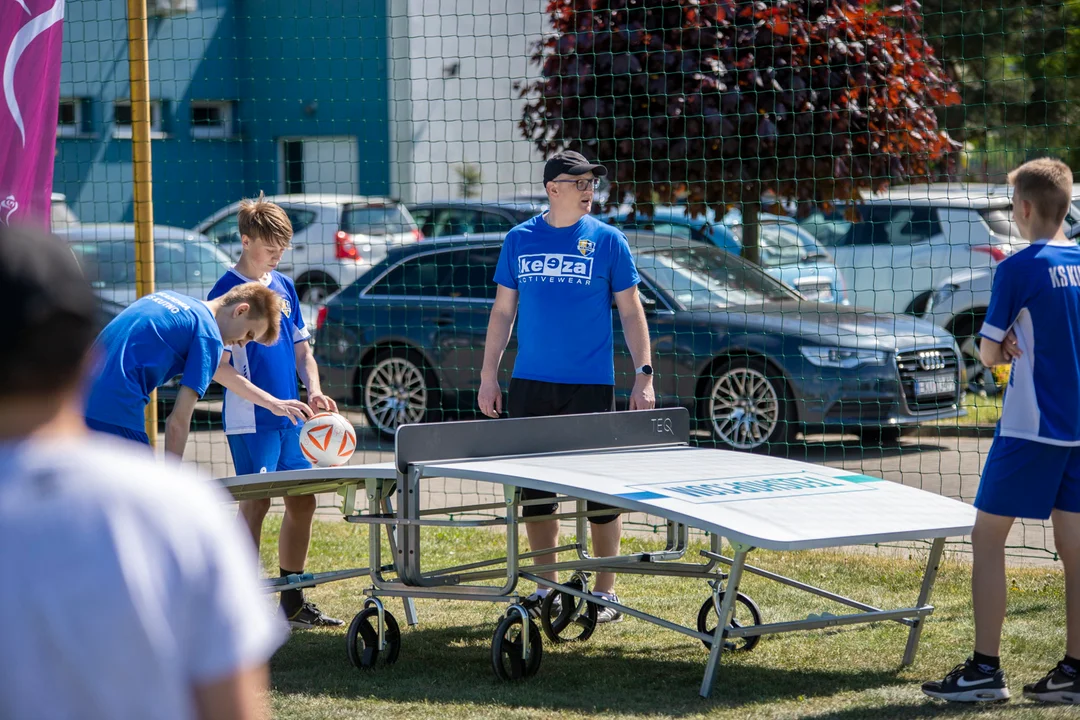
126,583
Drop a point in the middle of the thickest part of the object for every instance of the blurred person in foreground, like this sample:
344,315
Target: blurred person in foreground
134,592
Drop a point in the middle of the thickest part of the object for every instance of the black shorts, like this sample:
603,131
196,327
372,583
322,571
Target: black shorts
534,398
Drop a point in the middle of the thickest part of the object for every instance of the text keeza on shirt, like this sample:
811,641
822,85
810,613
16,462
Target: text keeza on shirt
551,267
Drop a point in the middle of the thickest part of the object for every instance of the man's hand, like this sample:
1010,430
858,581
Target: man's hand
490,398
323,403
1010,348
292,409
642,397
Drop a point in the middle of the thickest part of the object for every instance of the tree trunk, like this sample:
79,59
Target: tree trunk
751,210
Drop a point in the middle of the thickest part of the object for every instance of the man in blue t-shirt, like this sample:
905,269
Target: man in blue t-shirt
1033,468
557,274
163,335
259,440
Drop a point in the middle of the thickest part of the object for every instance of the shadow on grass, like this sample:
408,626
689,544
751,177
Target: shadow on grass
932,709
452,665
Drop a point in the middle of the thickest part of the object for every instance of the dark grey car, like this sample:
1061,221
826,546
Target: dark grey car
753,360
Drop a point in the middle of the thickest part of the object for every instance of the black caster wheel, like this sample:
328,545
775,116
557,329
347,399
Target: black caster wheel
363,639
746,614
506,649
572,620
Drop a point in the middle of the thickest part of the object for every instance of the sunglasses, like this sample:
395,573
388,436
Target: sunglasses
582,184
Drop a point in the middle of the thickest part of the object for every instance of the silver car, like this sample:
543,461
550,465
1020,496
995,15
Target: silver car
336,238
959,302
185,262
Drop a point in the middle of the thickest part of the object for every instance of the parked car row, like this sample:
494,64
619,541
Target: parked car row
756,353
753,360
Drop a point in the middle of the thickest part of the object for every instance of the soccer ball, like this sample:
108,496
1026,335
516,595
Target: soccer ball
328,440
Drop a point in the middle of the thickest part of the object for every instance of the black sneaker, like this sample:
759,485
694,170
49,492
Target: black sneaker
606,614
533,602
310,616
1058,687
967,683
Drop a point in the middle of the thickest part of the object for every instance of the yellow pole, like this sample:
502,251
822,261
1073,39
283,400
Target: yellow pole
139,71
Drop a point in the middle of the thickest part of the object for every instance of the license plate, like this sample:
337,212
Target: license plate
936,385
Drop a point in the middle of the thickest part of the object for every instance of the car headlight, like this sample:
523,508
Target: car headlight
843,357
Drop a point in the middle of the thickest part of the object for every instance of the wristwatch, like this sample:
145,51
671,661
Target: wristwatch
644,370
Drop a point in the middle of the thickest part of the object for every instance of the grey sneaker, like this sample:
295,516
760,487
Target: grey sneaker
606,614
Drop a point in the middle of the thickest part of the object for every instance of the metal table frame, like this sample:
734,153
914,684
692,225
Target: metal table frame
420,448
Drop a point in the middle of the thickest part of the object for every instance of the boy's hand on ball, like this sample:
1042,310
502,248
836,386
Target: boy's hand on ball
323,402
292,409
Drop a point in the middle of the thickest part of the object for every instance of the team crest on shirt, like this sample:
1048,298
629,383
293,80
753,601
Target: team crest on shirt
586,246
286,306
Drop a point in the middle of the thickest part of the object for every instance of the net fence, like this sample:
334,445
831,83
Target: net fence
813,193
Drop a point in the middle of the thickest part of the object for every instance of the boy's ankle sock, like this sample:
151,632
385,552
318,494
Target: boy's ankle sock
291,600
1071,665
986,663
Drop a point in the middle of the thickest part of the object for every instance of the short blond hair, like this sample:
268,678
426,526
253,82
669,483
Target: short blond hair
262,303
1045,183
261,219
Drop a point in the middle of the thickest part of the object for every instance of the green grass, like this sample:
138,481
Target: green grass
980,411
634,669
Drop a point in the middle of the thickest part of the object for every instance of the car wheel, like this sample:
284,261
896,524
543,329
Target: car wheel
396,389
981,379
746,406
315,289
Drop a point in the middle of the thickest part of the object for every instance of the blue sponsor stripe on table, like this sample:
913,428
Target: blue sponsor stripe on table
859,478
643,495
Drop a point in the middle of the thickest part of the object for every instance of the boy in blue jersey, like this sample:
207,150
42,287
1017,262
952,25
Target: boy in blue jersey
163,335
1033,468
558,273
259,440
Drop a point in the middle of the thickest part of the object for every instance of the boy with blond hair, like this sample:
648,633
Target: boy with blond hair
163,335
1033,469
258,440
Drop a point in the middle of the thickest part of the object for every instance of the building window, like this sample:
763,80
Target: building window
122,119
211,119
71,119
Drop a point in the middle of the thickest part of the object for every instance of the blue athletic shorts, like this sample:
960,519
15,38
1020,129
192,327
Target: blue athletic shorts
1028,479
127,433
268,451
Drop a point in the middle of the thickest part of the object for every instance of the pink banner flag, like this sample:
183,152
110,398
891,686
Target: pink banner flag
30,37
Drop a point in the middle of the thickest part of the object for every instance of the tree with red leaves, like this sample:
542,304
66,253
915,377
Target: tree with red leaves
815,100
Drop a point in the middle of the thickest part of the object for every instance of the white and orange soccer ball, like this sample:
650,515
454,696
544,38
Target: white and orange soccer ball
328,440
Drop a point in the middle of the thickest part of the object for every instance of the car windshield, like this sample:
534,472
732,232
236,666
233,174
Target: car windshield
111,263
780,244
706,278
376,220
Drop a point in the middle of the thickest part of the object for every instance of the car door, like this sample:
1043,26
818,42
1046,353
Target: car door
466,295
875,255
918,248
661,322
225,233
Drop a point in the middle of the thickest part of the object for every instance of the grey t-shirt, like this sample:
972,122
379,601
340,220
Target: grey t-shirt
129,582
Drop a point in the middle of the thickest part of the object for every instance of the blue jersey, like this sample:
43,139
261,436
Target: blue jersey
153,340
565,278
272,368
1036,293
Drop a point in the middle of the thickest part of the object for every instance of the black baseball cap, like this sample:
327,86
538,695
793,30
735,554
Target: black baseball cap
570,163
51,314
